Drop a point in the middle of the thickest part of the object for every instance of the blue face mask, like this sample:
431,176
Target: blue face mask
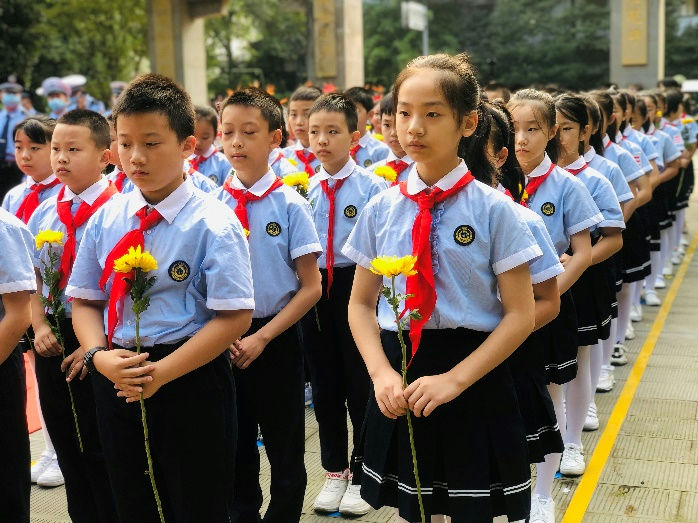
56,104
10,100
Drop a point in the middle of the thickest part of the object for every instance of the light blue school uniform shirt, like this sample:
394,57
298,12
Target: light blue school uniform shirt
214,166
46,218
281,230
127,184
15,196
689,131
392,157
674,133
371,150
621,157
358,188
201,182
476,235
643,141
668,150
636,152
612,173
280,164
291,153
16,267
564,204
203,263
8,121
603,194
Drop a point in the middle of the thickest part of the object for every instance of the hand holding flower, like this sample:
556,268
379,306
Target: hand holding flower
428,392
387,386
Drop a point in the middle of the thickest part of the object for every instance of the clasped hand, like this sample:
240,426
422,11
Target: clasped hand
131,373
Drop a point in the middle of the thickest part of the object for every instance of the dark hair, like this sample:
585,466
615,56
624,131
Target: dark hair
629,98
651,96
204,112
660,96
386,106
573,108
337,103
605,103
155,93
502,135
38,128
669,83
496,86
642,109
95,122
360,96
305,93
457,82
623,103
255,97
544,112
594,112
473,148
673,100
281,122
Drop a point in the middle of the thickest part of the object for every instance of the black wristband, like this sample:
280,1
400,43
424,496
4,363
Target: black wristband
87,359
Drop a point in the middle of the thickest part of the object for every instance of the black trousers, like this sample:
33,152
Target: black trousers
87,485
10,175
192,432
338,373
270,394
15,459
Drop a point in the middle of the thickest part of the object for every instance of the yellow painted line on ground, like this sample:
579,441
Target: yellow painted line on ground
582,495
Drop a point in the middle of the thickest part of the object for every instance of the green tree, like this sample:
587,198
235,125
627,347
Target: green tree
681,49
17,44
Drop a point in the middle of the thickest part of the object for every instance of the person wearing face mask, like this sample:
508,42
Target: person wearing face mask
11,114
56,92
79,98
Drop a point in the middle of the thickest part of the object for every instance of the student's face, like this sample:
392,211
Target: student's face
151,154
651,109
113,147
389,133
205,134
34,159
531,137
363,116
661,106
75,158
247,140
638,120
618,112
426,125
376,117
330,139
298,119
570,136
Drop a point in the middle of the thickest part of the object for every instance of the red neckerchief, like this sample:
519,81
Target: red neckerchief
398,166
421,285
242,197
535,182
354,150
31,200
120,286
278,157
329,250
71,224
120,179
306,160
577,171
200,159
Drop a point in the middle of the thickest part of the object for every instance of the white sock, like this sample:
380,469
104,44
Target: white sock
637,292
578,396
545,472
596,361
656,257
664,246
680,217
624,302
607,345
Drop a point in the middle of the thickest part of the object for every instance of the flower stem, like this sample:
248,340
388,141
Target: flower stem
317,319
410,429
145,432
70,390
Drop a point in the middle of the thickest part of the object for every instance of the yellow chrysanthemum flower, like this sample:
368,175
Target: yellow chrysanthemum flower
387,172
659,114
246,231
293,162
687,120
390,266
50,237
524,196
135,259
378,136
297,179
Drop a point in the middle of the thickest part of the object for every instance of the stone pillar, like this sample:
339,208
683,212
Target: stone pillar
176,41
637,42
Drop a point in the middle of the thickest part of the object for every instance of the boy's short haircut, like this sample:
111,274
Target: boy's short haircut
155,93
38,128
95,122
305,93
337,103
208,114
362,96
255,97
386,106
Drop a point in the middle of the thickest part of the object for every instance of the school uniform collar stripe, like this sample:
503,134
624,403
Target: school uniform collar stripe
365,140
29,182
170,207
542,168
344,172
415,184
259,187
89,195
577,164
589,155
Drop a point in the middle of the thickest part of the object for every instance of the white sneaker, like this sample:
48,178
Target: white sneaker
630,332
606,379
659,283
542,509
41,464
308,394
572,463
681,250
676,258
668,269
52,476
618,358
635,313
652,299
684,241
352,503
591,422
332,492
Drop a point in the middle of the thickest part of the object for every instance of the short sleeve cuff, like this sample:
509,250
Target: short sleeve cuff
652,156
635,175
547,274
234,304
673,157
612,223
516,259
306,249
85,294
359,257
625,197
18,286
586,224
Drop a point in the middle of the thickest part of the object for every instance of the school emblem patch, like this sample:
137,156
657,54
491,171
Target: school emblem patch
548,208
464,235
317,168
179,270
213,178
367,162
350,211
273,229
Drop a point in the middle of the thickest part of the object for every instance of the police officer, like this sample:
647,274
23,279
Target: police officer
11,114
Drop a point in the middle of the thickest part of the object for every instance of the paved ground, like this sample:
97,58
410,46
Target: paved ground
642,463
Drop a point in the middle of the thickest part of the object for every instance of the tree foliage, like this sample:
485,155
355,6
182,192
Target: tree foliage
681,47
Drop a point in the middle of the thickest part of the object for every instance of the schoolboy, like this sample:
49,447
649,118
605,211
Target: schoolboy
207,159
79,152
17,281
299,106
339,191
283,243
397,158
117,176
369,149
200,303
